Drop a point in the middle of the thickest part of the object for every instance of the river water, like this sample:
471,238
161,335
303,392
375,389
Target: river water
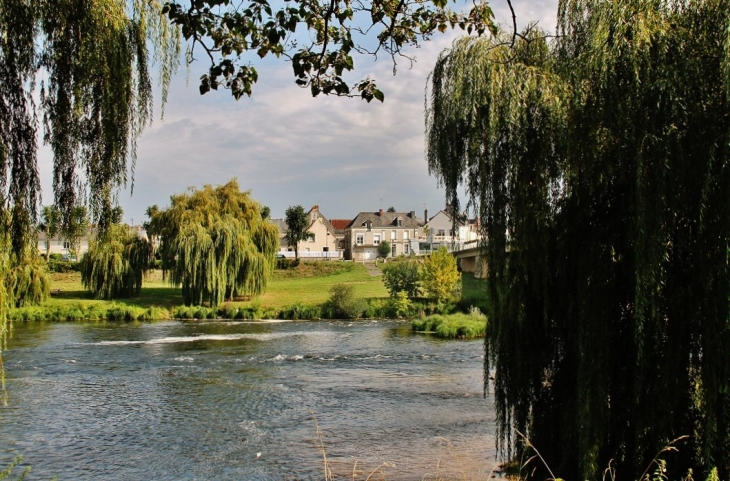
233,400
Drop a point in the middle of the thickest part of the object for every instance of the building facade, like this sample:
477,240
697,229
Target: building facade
369,229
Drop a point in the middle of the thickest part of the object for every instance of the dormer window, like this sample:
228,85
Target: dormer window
400,222
368,225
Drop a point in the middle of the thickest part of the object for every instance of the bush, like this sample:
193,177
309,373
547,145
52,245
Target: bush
440,278
284,263
401,276
454,326
384,249
342,303
300,311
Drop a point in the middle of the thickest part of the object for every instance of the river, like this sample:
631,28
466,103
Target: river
235,400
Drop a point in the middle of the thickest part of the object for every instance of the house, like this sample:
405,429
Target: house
366,231
340,226
443,229
323,245
59,245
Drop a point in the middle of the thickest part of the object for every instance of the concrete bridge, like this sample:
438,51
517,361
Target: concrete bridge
470,260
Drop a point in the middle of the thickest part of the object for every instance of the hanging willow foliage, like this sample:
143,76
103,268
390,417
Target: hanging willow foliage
216,244
600,167
115,263
95,98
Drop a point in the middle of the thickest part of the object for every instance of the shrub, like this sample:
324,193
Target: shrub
453,326
300,311
384,249
342,303
401,304
440,278
401,276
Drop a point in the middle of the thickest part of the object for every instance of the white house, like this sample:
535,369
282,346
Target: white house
443,230
368,229
323,244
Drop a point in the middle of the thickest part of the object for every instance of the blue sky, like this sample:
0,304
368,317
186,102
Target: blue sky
289,148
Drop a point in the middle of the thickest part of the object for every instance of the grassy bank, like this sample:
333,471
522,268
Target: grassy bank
297,292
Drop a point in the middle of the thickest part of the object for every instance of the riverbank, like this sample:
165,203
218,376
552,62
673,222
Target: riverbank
298,292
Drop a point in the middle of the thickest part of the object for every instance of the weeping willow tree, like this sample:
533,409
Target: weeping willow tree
599,163
83,68
216,244
115,263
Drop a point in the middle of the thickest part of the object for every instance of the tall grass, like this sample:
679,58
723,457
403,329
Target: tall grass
88,312
453,326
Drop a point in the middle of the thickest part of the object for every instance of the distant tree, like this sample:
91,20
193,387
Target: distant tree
265,212
296,228
440,278
115,263
401,276
391,209
215,244
50,224
76,228
384,249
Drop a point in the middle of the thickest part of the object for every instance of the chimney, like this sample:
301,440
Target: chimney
412,214
425,215
381,213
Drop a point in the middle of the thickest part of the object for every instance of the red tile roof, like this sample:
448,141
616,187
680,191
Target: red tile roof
340,224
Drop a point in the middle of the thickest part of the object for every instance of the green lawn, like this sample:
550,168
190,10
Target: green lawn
308,284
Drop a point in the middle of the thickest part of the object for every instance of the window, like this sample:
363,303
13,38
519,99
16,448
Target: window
400,222
405,234
392,250
66,245
441,232
406,248
376,239
392,235
311,238
360,239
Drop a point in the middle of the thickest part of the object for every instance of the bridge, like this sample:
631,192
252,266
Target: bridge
470,260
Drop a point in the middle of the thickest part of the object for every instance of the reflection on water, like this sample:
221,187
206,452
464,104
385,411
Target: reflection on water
235,400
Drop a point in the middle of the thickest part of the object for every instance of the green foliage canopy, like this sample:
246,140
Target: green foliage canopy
384,249
115,263
76,227
401,276
440,278
50,224
318,38
216,244
600,167
296,228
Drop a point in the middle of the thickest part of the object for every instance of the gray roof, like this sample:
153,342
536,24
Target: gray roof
281,225
387,220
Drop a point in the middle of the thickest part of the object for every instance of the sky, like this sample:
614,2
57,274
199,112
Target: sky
289,148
